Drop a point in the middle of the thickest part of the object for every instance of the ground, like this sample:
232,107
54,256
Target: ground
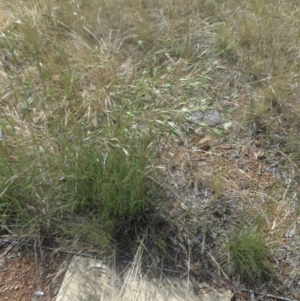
244,176
26,274
211,181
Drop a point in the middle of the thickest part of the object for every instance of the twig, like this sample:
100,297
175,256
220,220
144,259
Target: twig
219,267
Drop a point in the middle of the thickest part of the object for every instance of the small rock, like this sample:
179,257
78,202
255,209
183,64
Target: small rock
38,293
210,117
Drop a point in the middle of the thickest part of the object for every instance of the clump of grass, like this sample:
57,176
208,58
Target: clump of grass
111,182
248,255
217,185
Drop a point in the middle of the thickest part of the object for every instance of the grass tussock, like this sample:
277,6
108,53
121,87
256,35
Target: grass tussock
248,255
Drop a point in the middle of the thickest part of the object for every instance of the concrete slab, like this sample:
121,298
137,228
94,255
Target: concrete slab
91,280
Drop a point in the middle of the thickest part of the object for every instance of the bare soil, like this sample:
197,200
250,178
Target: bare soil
29,275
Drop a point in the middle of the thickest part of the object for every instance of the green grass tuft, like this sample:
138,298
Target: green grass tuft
248,254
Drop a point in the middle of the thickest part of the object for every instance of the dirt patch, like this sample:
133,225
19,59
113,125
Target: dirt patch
26,274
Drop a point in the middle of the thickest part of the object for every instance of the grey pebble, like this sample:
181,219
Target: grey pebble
211,117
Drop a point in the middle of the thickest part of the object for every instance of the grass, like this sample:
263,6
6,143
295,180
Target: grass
82,123
248,254
95,95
